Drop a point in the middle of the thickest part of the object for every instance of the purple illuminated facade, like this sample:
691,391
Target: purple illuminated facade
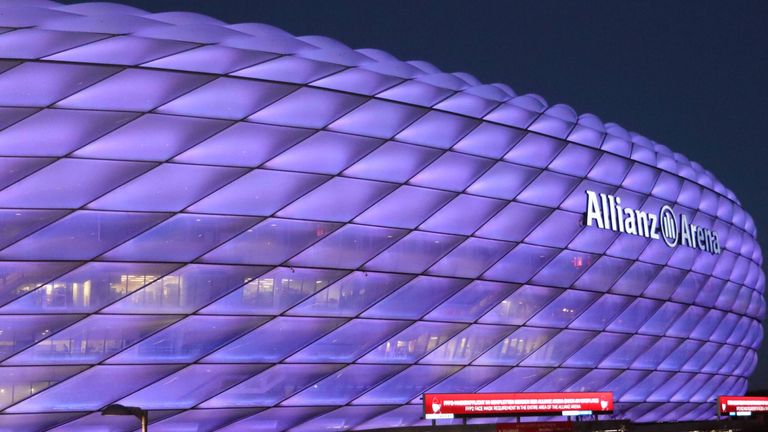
243,230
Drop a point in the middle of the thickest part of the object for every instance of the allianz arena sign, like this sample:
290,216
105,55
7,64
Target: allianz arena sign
605,211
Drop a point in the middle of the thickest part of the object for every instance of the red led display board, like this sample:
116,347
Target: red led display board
742,404
449,405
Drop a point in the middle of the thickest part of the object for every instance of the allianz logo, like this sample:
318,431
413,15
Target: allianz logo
605,211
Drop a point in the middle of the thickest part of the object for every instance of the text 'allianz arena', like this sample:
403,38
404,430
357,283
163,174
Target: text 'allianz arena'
243,230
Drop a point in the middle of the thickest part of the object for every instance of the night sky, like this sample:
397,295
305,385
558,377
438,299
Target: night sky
689,74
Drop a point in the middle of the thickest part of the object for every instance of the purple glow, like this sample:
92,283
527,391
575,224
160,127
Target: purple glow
241,229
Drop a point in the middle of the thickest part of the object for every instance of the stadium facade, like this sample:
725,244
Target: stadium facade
243,230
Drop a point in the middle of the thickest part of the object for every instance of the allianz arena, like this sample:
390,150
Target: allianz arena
243,230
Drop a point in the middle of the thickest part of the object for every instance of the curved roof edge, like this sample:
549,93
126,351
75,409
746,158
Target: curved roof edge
111,19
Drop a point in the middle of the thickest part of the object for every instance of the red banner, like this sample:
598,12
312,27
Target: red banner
447,405
741,404
535,427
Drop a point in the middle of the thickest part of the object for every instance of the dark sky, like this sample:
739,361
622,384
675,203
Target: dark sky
690,74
